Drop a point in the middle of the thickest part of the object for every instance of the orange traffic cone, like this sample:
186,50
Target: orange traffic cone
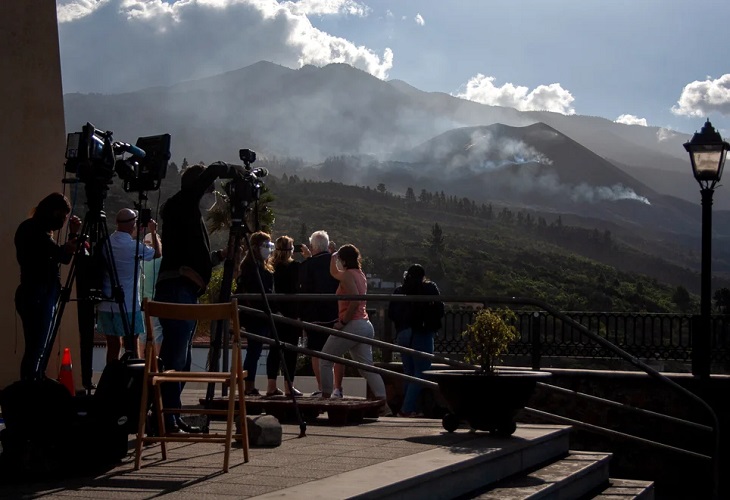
65,375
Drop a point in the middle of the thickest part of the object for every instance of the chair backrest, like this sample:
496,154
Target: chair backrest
193,312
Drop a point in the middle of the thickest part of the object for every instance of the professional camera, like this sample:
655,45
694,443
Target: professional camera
90,154
93,156
246,183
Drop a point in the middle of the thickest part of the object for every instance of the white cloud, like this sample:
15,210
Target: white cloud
419,20
68,10
553,97
631,120
322,7
702,98
119,45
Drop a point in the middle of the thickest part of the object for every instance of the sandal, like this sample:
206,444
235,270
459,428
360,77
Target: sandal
277,392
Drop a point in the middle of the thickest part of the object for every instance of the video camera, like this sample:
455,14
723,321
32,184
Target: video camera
93,156
246,184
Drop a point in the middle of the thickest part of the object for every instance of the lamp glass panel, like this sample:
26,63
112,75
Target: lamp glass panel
707,162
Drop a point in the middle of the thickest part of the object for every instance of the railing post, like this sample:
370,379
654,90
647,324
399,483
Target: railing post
536,339
387,333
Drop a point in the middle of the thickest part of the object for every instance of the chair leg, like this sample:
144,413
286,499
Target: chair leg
242,415
160,420
142,423
229,423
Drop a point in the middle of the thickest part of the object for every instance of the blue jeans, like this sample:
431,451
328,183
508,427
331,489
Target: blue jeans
36,305
177,338
420,341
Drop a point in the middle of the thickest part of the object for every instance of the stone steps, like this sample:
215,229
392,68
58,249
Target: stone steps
534,463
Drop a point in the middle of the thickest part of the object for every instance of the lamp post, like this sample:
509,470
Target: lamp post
707,152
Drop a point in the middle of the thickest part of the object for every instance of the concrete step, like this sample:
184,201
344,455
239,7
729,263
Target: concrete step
627,489
568,478
446,472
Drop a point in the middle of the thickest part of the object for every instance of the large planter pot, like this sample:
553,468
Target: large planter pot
487,402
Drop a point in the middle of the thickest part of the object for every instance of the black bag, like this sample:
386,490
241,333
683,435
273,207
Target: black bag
118,394
42,429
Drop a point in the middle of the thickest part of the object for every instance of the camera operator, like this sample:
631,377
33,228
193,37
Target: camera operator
39,257
126,256
185,271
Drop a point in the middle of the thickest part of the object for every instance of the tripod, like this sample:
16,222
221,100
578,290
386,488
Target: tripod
220,338
84,269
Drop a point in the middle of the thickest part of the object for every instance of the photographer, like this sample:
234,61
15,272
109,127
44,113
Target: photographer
39,257
185,271
126,256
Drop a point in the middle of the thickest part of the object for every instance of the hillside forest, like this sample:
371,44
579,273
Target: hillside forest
468,248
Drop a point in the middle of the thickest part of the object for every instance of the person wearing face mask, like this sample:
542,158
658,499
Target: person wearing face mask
127,254
185,271
39,257
257,262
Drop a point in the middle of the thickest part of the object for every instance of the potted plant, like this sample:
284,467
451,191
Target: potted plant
488,398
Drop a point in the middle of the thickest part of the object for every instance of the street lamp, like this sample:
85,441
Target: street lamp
707,152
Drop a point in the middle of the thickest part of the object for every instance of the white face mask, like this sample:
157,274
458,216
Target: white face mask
207,202
265,250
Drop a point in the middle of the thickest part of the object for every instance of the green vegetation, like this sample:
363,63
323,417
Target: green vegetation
468,248
474,249
488,336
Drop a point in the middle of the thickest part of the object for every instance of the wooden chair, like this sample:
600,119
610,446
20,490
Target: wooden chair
153,378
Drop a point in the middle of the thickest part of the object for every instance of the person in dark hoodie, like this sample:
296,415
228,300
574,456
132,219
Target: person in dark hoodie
40,257
416,324
185,272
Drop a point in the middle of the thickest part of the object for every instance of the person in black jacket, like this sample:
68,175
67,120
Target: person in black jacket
315,277
185,272
416,324
39,257
286,280
257,261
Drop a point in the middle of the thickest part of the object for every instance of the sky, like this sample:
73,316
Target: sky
663,63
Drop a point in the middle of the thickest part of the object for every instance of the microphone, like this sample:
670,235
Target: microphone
128,148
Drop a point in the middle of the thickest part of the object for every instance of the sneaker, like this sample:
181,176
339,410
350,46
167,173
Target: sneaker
337,393
385,411
296,392
316,394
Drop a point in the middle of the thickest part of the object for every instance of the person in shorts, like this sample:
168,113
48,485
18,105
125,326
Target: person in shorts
127,253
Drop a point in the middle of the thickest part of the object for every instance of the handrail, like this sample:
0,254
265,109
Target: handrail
528,302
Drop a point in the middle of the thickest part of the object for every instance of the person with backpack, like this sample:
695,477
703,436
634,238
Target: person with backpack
416,324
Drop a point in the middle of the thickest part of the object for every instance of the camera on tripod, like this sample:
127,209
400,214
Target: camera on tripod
94,157
246,184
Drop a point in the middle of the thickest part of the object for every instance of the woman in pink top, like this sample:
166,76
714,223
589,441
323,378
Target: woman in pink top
353,318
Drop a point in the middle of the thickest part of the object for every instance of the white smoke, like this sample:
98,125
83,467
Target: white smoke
485,153
592,194
665,134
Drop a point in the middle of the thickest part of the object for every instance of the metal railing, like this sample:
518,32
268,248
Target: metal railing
543,309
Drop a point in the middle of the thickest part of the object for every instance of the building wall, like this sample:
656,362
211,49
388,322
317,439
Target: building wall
32,142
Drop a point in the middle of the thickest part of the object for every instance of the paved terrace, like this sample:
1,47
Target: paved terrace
331,462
